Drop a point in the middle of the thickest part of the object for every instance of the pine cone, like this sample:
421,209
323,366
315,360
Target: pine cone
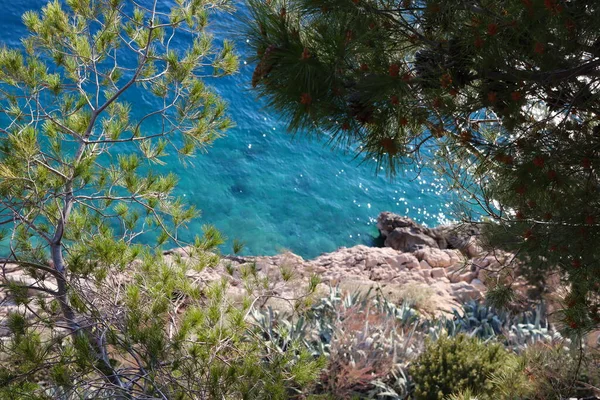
264,66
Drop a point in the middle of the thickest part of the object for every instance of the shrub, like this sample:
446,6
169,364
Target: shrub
172,338
555,371
465,395
512,382
419,296
450,365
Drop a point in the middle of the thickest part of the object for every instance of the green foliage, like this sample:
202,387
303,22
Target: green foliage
74,162
555,371
500,96
21,391
238,246
450,365
545,371
198,342
97,315
513,382
352,333
463,395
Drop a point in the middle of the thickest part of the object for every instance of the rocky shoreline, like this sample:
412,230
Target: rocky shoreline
437,269
443,265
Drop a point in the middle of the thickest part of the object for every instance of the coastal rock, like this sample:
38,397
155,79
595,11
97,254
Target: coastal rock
403,261
458,236
287,275
438,273
461,272
404,234
434,257
362,267
478,285
387,222
456,257
416,263
465,291
408,239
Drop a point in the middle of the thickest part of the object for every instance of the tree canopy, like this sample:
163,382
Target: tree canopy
91,312
501,96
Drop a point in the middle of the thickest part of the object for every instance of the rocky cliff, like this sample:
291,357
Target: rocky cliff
437,268
440,267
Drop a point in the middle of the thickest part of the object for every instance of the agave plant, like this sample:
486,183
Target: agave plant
531,327
372,342
367,340
478,320
280,333
486,322
397,387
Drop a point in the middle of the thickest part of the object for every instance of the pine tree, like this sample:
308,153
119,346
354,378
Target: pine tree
94,314
503,96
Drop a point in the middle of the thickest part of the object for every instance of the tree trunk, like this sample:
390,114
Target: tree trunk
97,344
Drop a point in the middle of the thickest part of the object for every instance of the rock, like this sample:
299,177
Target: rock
455,255
467,277
490,265
438,273
388,222
415,255
457,236
472,249
380,274
461,277
434,257
179,251
465,291
477,284
403,261
443,300
593,339
483,262
408,239
460,273
371,262
404,234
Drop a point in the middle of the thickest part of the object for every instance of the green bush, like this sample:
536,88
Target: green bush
451,365
550,371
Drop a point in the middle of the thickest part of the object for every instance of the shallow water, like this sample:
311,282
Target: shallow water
272,191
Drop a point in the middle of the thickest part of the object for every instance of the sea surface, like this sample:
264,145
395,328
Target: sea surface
273,191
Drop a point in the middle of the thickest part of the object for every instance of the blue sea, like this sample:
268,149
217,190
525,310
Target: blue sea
273,191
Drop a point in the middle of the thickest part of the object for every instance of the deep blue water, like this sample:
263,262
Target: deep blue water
272,191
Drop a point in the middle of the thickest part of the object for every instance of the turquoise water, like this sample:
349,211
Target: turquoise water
272,191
